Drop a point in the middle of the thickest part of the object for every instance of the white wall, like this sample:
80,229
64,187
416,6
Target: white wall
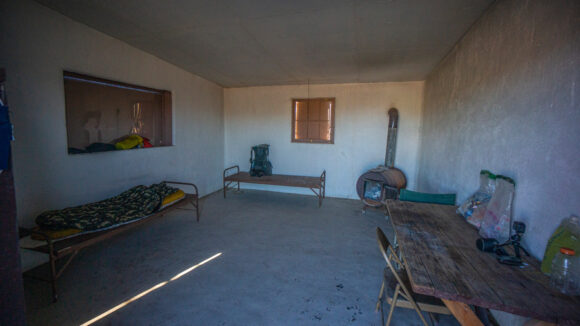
506,99
37,45
257,115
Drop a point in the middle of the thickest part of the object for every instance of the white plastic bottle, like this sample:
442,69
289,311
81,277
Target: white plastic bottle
565,275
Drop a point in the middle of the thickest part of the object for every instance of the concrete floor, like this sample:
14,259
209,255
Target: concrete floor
283,261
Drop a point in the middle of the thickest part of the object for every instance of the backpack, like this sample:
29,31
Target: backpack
260,165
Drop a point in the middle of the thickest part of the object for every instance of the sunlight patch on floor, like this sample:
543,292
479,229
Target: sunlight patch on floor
144,293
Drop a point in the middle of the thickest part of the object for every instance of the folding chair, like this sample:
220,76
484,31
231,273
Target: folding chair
402,296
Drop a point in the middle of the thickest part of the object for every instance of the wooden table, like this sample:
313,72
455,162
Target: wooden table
438,249
316,184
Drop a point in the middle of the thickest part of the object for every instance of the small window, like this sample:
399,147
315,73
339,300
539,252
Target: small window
104,115
313,120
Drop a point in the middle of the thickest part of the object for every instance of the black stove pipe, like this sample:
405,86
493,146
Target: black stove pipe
392,138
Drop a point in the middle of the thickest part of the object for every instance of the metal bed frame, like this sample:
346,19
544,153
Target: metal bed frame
70,247
233,175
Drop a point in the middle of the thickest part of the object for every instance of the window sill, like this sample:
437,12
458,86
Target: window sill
116,151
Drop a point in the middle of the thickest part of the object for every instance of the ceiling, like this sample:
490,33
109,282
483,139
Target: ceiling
237,43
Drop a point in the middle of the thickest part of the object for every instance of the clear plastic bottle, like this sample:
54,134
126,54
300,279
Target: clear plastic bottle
566,235
473,208
565,275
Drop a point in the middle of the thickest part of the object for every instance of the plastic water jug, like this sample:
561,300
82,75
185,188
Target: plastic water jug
567,235
565,275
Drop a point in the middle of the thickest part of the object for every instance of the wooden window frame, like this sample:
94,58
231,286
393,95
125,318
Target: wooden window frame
313,140
166,138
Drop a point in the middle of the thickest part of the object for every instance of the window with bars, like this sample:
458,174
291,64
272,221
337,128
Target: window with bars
313,120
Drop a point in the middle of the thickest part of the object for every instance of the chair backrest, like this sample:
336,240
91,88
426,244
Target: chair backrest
423,197
389,253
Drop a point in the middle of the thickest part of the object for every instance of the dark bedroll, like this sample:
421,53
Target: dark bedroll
70,246
130,205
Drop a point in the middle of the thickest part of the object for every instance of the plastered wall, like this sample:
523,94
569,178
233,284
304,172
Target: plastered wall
257,115
506,99
37,45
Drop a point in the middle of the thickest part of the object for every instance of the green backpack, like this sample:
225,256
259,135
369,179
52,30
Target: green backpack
260,165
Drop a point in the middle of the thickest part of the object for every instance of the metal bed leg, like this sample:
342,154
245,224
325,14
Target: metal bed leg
224,182
53,275
322,189
225,189
53,280
226,186
324,184
70,258
194,202
197,206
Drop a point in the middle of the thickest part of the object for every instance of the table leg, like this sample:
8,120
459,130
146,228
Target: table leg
463,313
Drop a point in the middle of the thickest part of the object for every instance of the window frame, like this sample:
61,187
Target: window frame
313,140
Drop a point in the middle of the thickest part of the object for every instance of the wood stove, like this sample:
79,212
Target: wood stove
385,181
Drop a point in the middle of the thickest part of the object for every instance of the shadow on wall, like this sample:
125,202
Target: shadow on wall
503,100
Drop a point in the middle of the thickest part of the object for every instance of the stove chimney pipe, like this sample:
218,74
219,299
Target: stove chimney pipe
392,138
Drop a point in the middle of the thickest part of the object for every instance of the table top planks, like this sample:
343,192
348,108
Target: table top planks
438,248
277,180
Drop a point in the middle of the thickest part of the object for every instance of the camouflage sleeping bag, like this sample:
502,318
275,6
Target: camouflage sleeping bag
132,204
